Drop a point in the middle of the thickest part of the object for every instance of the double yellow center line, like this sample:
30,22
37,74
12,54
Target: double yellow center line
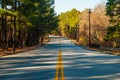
59,68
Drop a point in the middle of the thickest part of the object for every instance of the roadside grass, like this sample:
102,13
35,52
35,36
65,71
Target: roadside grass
106,51
18,50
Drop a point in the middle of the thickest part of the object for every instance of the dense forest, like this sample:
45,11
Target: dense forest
25,23
99,27
113,30
68,23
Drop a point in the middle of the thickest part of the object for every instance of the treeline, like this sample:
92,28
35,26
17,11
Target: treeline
25,23
69,23
99,27
93,31
113,30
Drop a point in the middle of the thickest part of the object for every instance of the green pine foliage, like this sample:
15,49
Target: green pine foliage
113,10
33,20
69,22
7,12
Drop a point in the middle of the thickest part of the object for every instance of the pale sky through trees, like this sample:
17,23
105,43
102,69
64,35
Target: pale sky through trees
65,5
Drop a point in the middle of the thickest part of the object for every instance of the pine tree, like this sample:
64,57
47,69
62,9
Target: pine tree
113,31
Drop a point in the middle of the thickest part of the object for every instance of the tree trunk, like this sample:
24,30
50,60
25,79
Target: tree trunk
14,28
3,27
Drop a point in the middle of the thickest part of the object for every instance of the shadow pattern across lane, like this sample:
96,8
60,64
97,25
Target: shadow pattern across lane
79,63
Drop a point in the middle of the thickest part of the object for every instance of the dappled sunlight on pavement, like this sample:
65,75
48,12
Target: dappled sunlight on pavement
59,68
77,63
82,64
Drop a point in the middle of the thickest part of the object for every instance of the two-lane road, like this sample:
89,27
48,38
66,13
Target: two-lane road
77,63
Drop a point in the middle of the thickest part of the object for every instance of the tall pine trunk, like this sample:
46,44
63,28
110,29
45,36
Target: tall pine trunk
14,28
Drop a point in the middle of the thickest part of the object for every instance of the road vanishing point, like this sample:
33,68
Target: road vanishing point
60,59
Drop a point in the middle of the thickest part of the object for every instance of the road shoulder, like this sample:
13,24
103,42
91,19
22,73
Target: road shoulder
103,50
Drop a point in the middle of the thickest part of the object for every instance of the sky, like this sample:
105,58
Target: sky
65,5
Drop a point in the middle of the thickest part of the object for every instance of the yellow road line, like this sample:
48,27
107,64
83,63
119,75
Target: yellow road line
59,68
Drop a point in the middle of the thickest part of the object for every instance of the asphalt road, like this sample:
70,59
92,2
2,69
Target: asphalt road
77,63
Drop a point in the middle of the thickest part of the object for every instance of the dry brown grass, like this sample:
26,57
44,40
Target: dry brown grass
113,52
18,50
